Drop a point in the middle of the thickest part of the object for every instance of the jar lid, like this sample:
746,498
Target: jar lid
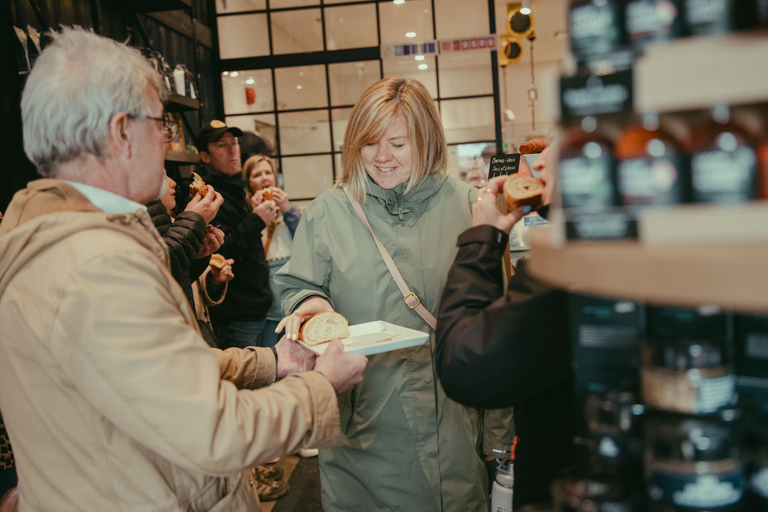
614,410
693,439
682,354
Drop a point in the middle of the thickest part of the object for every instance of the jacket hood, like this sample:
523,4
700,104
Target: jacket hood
48,211
398,203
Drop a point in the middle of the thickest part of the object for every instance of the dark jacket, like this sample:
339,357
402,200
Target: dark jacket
496,350
249,296
184,238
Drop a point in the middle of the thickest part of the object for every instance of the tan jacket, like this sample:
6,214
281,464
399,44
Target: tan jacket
111,398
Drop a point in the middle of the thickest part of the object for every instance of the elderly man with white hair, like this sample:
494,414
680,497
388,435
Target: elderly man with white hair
112,399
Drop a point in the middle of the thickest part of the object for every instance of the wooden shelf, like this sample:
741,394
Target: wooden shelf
699,72
179,103
181,157
140,6
734,276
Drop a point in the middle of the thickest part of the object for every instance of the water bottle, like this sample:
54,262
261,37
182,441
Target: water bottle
501,495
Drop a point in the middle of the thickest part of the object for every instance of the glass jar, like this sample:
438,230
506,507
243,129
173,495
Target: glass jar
586,168
613,419
690,376
694,463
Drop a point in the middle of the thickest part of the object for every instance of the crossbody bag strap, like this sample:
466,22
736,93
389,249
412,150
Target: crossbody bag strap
410,298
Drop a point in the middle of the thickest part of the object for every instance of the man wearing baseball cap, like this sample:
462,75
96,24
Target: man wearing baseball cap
240,319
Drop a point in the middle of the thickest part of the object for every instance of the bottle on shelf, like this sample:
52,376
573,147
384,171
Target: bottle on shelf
595,27
651,167
653,21
723,160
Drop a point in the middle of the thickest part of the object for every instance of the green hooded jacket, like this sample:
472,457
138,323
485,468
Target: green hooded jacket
404,445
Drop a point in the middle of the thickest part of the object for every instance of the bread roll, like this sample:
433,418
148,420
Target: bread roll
323,327
218,261
198,186
521,191
534,146
268,194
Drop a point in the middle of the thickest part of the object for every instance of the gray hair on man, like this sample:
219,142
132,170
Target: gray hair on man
78,84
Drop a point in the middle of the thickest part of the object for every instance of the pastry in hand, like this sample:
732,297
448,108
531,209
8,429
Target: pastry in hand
268,194
198,186
534,146
522,190
323,327
218,261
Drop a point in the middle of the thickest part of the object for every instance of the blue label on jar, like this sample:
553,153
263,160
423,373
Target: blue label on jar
697,491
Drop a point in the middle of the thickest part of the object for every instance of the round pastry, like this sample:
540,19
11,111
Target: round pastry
521,191
218,261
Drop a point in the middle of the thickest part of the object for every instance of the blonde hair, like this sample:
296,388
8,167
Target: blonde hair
379,105
249,166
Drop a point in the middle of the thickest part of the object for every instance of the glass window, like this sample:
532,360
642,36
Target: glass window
339,121
307,176
351,26
397,20
350,79
305,132
465,74
263,125
468,120
225,6
301,87
297,31
247,91
245,35
423,71
461,18
282,4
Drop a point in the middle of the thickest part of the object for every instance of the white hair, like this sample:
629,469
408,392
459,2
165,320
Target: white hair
78,84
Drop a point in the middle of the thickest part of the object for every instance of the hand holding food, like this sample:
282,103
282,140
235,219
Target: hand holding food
522,191
197,186
485,211
309,307
323,327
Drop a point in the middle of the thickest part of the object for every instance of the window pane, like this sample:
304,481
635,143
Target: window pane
307,176
350,79
301,87
247,91
351,27
225,6
305,132
281,4
465,74
410,69
461,18
243,36
263,125
397,20
339,121
297,31
468,120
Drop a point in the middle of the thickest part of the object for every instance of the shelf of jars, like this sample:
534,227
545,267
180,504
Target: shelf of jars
181,157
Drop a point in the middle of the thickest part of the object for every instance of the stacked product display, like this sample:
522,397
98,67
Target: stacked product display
673,393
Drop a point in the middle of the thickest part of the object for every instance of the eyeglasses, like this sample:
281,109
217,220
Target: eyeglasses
167,125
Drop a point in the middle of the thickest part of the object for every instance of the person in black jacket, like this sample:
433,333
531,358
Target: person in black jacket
497,349
240,319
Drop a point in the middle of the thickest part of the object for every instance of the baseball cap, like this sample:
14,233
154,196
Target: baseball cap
213,132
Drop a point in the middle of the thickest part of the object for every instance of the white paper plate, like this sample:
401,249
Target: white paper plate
376,337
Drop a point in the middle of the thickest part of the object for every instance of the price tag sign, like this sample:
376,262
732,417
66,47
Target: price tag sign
504,165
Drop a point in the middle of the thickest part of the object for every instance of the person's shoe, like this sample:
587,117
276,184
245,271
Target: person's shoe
268,473
272,489
308,452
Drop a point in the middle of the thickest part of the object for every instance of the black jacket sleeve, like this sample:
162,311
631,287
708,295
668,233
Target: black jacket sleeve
495,349
184,239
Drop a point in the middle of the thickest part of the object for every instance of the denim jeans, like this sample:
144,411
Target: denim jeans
239,334
269,337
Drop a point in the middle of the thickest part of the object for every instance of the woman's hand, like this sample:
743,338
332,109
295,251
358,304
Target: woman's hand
281,198
486,210
207,206
292,323
224,274
212,241
267,210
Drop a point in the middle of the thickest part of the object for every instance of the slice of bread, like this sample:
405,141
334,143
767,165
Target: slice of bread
521,191
323,327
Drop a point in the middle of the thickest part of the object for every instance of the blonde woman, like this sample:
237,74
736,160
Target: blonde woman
261,185
404,445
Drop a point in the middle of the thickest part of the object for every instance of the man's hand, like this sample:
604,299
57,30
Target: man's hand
267,210
223,275
213,240
207,206
293,357
292,323
342,370
486,211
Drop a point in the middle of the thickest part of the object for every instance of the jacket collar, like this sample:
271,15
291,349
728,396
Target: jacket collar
397,202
